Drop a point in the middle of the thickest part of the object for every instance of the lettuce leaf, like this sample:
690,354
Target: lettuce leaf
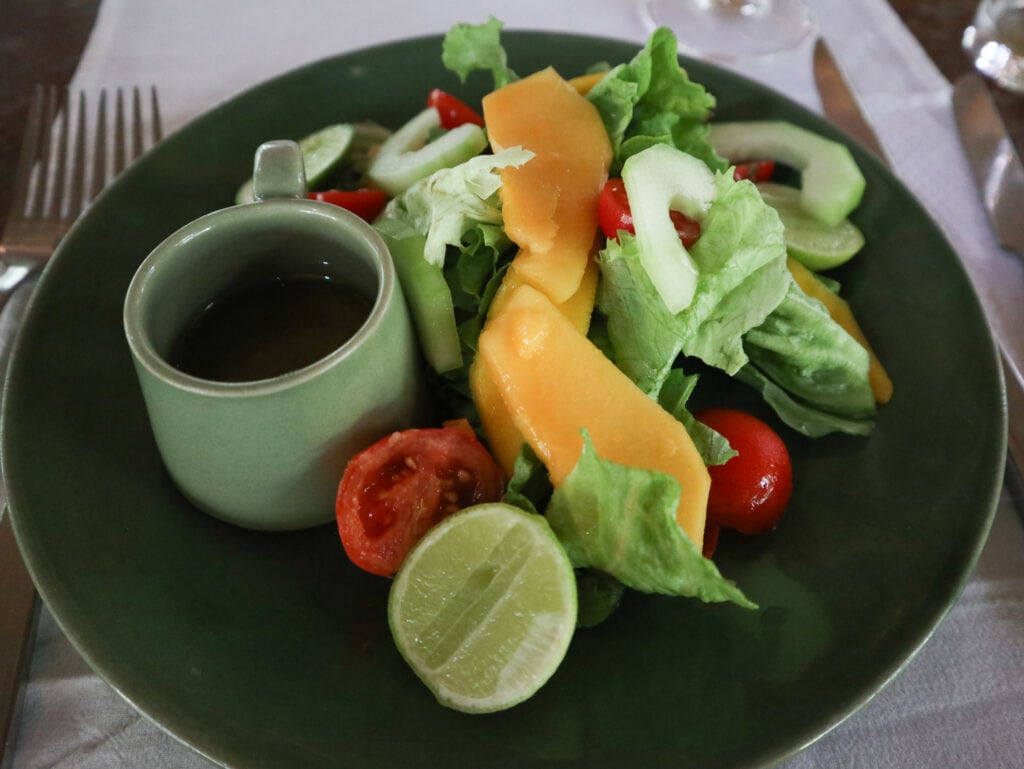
713,448
741,258
651,100
450,202
621,520
809,369
469,47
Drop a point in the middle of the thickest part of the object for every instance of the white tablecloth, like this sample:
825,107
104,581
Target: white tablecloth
958,703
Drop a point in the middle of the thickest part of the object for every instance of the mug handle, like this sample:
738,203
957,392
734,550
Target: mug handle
278,171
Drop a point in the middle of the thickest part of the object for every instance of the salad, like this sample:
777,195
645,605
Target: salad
577,254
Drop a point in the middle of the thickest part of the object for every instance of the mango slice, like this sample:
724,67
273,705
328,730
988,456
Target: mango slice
503,436
839,310
554,382
583,83
549,204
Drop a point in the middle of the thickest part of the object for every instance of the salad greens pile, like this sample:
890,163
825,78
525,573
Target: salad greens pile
748,318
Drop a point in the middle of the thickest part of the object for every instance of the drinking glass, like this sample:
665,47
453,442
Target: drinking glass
733,30
994,41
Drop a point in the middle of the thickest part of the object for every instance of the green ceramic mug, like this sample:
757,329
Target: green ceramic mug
269,453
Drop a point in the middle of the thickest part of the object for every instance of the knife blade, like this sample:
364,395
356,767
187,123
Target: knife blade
994,162
839,103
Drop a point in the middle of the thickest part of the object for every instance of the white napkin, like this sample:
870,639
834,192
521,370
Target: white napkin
958,703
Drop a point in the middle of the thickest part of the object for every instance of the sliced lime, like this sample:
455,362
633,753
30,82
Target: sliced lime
816,245
484,607
323,151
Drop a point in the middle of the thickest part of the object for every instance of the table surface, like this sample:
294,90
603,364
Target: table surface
42,41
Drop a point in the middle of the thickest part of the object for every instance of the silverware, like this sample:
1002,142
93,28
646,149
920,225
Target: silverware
55,180
999,177
1002,189
994,162
839,103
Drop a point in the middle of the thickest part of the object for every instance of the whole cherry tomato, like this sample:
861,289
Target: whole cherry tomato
614,214
395,490
749,492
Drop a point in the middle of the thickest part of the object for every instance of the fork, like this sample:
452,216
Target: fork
55,179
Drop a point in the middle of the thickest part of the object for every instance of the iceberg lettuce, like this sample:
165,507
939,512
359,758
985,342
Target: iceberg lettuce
622,521
742,276
651,100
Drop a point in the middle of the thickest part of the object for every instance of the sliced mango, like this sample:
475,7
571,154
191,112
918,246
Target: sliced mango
839,310
503,436
549,204
583,83
554,382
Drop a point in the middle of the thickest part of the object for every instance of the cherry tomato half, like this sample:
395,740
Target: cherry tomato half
453,111
758,171
614,214
751,490
365,203
395,490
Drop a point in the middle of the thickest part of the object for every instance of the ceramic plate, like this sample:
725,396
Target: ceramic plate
271,650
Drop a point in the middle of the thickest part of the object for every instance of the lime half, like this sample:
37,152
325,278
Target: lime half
484,607
816,245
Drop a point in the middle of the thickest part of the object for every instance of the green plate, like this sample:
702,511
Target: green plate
271,650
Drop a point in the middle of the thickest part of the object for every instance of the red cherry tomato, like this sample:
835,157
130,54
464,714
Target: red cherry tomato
751,490
365,203
453,111
395,490
757,172
614,214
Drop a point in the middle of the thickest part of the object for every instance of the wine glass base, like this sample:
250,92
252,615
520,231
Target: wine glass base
733,30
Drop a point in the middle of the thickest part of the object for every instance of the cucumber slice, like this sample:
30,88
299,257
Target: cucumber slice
831,183
322,155
406,157
659,179
430,302
816,245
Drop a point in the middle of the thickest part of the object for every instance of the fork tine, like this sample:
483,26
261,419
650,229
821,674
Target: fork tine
99,165
42,180
53,210
119,133
158,131
136,122
76,192
29,148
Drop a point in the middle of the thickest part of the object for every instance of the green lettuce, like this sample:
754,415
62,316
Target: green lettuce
742,276
651,100
446,235
622,521
809,369
713,448
450,202
469,47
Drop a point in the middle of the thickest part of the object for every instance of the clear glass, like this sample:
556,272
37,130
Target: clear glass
733,30
995,42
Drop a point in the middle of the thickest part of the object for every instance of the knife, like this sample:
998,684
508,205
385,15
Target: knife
839,104
997,169
999,177
1001,181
